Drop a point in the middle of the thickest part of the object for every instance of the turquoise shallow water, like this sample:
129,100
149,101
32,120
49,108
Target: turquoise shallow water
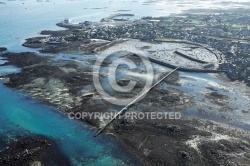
21,116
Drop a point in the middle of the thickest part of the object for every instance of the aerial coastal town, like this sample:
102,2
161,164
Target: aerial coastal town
200,70
226,31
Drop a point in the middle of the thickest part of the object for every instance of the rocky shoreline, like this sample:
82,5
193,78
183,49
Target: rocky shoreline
153,142
230,36
184,142
67,84
33,151
2,49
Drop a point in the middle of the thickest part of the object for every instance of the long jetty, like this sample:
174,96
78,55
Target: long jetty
124,109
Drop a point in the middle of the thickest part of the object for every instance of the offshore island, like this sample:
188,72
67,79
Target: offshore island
197,41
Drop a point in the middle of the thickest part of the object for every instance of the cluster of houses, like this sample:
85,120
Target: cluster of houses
138,30
237,67
220,31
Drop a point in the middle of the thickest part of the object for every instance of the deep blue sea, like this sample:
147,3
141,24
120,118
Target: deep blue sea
21,116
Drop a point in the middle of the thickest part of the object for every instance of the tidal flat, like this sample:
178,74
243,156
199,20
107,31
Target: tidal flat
58,71
68,85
